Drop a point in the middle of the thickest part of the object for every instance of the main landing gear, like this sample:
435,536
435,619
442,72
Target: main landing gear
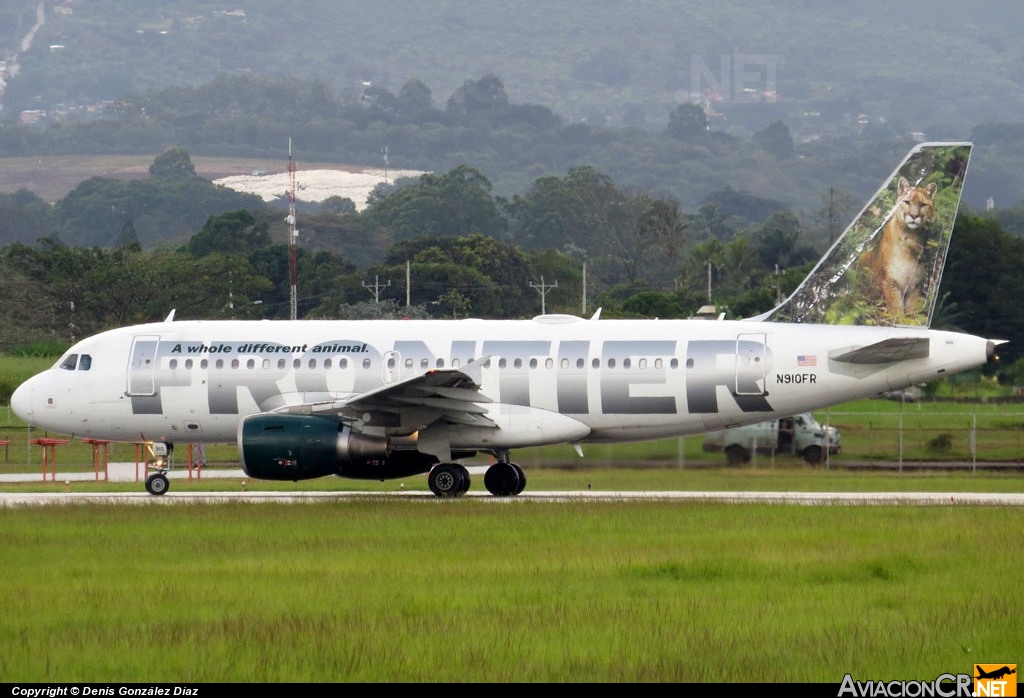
502,479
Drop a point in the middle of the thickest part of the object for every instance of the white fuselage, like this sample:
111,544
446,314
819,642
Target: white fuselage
551,379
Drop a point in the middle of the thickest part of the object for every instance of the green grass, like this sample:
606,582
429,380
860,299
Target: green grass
435,590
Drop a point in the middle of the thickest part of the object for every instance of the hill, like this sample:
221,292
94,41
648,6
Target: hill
935,66
52,177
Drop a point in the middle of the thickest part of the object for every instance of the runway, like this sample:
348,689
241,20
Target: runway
232,493
23,499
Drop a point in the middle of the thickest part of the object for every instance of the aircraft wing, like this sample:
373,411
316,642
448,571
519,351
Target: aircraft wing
884,352
450,395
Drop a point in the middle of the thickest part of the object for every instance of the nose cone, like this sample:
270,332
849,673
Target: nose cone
21,402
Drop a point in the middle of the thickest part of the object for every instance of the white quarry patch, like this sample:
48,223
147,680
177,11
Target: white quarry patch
316,185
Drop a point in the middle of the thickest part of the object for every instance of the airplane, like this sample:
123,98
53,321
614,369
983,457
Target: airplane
382,399
995,673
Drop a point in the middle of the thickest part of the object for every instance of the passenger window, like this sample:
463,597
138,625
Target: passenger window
565,363
297,363
626,363
611,363
424,363
549,363
173,364
327,363
312,363
281,363
85,363
502,363
643,363
188,364
658,363
366,363
70,362
408,363
204,364
266,364
580,363
220,363
234,363
596,363
518,363
533,363
251,363
342,363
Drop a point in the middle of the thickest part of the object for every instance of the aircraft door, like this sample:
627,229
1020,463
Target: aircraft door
751,363
142,365
391,367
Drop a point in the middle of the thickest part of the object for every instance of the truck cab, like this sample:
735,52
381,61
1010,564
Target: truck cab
800,435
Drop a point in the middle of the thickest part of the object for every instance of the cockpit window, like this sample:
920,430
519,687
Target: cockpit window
69,362
85,363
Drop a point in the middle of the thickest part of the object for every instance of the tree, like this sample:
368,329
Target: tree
127,237
338,205
983,264
687,120
456,203
232,233
776,139
485,96
416,103
24,217
173,162
493,275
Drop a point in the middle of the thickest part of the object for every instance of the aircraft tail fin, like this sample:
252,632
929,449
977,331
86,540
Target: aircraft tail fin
886,267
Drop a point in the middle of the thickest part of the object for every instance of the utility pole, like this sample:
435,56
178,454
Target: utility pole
584,314
375,288
543,289
293,237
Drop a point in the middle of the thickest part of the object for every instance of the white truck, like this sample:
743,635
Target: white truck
800,435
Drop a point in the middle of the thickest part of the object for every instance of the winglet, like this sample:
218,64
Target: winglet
170,316
886,267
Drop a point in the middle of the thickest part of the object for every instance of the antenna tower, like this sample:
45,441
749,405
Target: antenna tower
293,236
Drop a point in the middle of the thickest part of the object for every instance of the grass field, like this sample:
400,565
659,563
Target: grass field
461,590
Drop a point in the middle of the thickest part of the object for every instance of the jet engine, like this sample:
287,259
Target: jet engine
302,447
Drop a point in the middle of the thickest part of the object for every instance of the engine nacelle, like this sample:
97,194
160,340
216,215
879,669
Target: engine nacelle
302,447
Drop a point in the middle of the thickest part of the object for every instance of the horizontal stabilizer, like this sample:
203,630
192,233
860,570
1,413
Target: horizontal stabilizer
884,352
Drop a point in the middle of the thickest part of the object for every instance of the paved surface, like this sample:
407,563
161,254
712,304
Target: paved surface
794,498
177,474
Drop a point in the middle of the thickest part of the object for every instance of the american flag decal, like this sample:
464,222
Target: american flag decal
806,360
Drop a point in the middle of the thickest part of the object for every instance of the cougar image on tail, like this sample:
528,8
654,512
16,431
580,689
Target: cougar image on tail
894,262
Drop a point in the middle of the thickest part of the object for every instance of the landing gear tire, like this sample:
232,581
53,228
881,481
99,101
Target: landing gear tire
157,484
448,480
522,478
504,479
